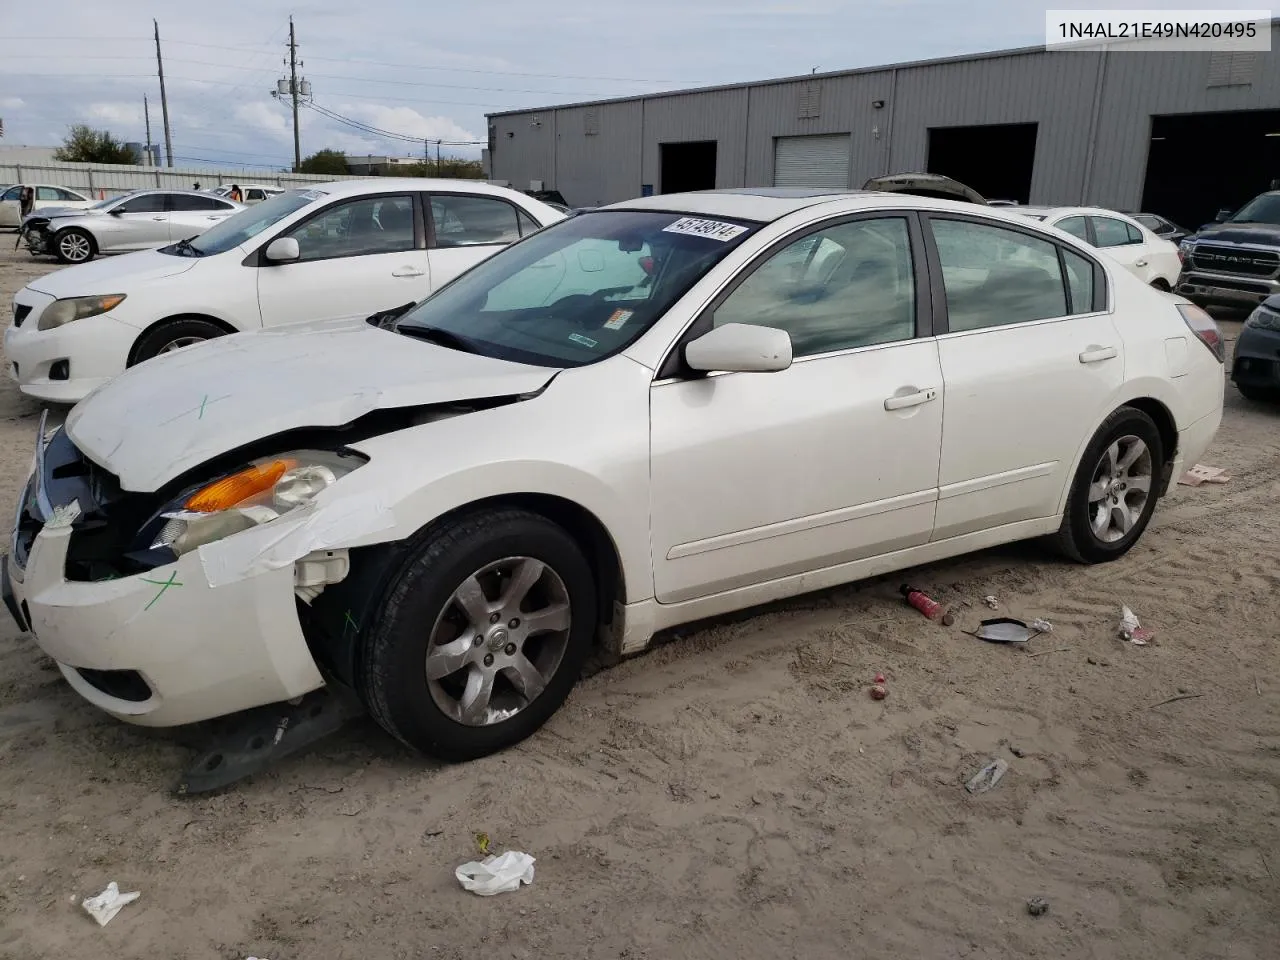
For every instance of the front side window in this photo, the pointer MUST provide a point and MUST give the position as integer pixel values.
(994, 277)
(357, 228)
(247, 224)
(147, 203)
(851, 285)
(468, 221)
(13, 193)
(255, 195)
(1076, 227)
(577, 291)
(1113, 233)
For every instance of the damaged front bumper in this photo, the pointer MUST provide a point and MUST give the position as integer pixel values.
(37, 238)
(214, 632)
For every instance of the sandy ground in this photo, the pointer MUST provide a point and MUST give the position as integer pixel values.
(734, 793)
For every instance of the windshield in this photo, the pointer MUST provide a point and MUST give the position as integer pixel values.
(247, 224)
(577, 291)
(1263, 209)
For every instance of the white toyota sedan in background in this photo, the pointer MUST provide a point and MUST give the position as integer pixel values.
(1150, 258)
(337, 251)
(641, 416)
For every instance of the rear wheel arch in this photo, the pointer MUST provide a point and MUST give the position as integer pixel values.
(1166, 425)
(143, 336)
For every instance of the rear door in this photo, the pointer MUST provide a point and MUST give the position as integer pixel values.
(191, 215)
(463, 229)
(358, 256)
(1124, 242)
(1030, 358)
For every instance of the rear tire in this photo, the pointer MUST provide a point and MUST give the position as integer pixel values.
(174, 335)
(1114, 491)
(74, 245)
(482, 635)
(1258, 394)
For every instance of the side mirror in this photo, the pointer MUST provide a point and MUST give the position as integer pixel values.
(282, 250)
(117, 211)
(1223, 215)
(740, 348)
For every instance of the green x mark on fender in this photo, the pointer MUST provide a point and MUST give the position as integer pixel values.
(163, 585)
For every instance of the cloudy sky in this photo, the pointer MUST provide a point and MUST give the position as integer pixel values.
(431, 71)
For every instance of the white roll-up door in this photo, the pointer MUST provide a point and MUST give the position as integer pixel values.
(820, 162)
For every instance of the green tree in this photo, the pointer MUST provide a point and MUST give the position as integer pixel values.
(83, 144)
(329, 162)
(449, 167)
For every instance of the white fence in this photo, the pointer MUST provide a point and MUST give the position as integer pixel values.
(109, 179)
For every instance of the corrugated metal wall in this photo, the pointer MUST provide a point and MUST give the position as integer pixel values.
(109, 179)
(1081, 101)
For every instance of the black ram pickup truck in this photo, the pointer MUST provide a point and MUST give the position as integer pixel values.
(1236, 260)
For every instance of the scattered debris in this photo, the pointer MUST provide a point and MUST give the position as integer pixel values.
(108, 903)
(501, 874)
(922, 602)
(879, 678)
(991, 602)
(1037, 906)
(1005, 630)
(1132, 630)
(987, 777)
(1181, 696)
(1041, 625)
(879, 691)
(949, 618)
(482, 844)
(1017, 751)
(1041, 653)
(1201, 474)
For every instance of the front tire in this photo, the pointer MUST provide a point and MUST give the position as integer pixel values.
(1258, 394)
(1115, 489)
(483, 634)
(174, 335)
(74, 245)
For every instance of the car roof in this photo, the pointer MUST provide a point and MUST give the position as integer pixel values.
(764, 204)
(347, 188)
(1072, 211)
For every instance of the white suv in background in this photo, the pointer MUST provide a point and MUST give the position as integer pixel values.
(1151, 259)
(335, 252)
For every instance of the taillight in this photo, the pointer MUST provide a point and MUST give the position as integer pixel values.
(1202, 326)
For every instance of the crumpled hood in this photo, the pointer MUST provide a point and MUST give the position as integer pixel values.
(120, 274)
(1257, 233)
(50, 213)
(165, 416)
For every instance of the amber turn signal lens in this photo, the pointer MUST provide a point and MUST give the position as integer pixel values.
(238, 487)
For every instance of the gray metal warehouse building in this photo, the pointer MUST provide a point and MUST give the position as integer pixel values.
(1181, 134)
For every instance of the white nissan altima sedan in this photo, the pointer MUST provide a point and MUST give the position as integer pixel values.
(643, 415)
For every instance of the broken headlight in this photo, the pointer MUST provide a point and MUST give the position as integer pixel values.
(259, 493)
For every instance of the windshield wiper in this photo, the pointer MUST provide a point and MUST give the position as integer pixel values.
(443, 338)
(386, 319)
(185, 248)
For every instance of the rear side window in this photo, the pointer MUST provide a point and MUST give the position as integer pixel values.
(527, 224)
(182, 201)
(1076, 227)
(468, 221)
(1113, 233)
(68, 197)
(994, 277)
(1080, 280)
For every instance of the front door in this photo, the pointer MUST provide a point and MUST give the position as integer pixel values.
(142, 222)
(357, 258)
(467, 228)
(758, 476)
(1125, 243)
(1030, 361)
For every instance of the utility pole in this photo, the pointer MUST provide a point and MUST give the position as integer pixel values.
(293, 88)
(164, 101)
(437, 158)
(146, 113)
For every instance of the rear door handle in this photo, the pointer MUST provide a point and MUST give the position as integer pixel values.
(159, 218)
(1140, 263)
(1095, 354)
(911, 399)
(407, 272)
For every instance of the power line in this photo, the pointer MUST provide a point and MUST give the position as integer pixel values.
(387, 134)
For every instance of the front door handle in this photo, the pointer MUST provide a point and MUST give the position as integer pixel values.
(1140, 263)
(157, 219)
(910, 399)
(1094, 354)
(407, 272)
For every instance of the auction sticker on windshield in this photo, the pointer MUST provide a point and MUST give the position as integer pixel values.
(711, 229)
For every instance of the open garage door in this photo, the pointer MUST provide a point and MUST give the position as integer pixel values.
(996, 159)
(1202, 162)
(819, 162)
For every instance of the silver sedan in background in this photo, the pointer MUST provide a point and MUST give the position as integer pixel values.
(142, 220)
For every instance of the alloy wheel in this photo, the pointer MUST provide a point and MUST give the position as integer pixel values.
(498, 641)
(75, 247)
(1120, 488)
